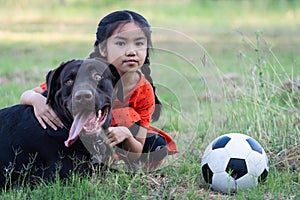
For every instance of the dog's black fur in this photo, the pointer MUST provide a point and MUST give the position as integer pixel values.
(27, 150)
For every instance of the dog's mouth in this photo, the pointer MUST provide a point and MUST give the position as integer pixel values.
(87, 123)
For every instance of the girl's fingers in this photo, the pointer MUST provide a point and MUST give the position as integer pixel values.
(109, 133)
(41, 122)
(50, 123)
(53, 117)
(46, 116)
(111, 140)
(109, 130)
(45, 120)
(115, 136)
(112, 144)
(52, 120)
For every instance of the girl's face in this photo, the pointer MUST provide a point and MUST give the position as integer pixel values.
(126, 49)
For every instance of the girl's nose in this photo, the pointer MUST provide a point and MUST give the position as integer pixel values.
(131, 52)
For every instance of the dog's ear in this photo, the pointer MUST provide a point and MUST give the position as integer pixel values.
(117, 83)
(53, 82)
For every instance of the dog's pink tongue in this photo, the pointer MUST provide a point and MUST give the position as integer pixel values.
(78, 123)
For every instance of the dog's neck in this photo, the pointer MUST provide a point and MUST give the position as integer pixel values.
(65, 117)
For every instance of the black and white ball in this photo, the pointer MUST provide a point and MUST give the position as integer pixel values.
(234, 161)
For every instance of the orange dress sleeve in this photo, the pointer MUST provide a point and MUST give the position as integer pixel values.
(43, 86)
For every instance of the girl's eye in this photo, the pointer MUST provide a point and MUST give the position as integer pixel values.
(69, 82)
(97, 77)
(120, 43)
(140, 43)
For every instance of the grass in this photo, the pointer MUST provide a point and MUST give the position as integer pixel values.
(237, 66)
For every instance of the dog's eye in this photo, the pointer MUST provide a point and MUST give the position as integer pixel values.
(97, 77)
(69, 82)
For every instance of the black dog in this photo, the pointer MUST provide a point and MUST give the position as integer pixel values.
(84, 106)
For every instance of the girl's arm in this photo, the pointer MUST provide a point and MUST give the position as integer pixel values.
(43, 112)
(133, 145)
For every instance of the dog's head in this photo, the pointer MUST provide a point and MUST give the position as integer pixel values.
(81, 93)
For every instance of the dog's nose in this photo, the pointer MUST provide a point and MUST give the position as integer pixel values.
(83, 96)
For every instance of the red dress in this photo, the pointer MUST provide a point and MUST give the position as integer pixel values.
(139, 105)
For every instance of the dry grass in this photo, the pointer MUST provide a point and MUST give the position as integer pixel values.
(289, 159)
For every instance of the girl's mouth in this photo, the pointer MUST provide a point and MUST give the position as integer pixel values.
(131, 62)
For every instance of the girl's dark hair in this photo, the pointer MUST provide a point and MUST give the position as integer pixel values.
(105, 29)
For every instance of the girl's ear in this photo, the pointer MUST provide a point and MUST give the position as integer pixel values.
(102, 51)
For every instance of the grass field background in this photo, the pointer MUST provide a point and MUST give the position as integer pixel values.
(220, 66)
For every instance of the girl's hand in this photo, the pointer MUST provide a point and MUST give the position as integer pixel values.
(44, 113)
(117, 135)
(133, 145)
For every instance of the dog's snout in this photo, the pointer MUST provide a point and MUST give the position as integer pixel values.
(83, 96)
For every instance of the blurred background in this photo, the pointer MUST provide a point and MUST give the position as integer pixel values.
(52, 30)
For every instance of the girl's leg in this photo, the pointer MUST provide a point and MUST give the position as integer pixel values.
(155, 148)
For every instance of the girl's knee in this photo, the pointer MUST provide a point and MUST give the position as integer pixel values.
(155, 149)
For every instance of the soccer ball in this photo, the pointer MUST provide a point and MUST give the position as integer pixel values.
(234, 161)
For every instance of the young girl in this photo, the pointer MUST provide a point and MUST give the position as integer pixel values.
(123, 38)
